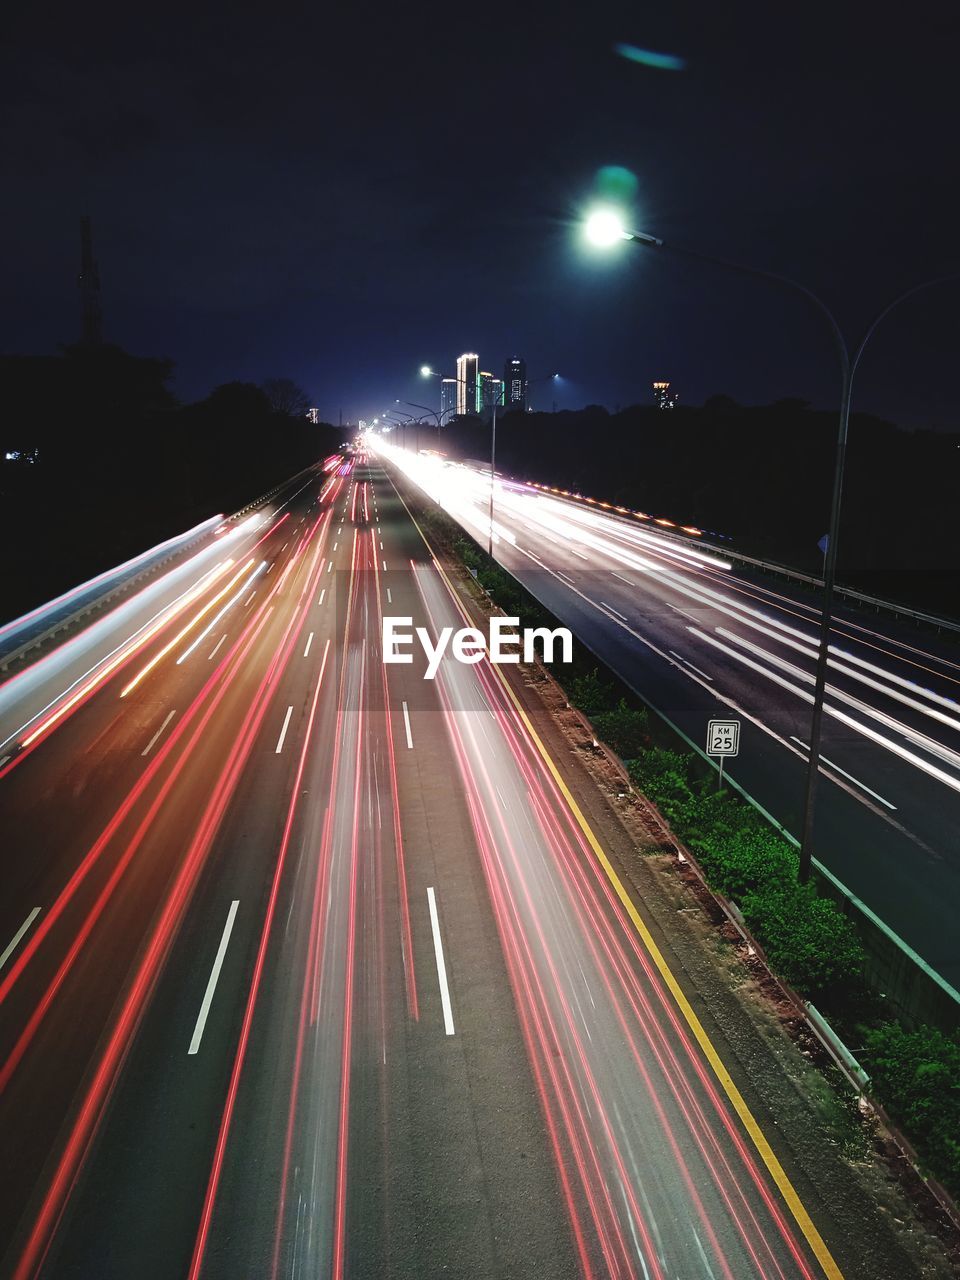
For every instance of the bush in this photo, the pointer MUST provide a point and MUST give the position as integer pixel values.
(807, 938)
(651, 770)
(714, 816)
(809, 941)
(748, 859)
(664, 777)
(590, 694)
(917, 1076)
(469, 553)
(624, 728)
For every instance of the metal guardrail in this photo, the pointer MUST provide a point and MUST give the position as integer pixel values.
(768, 566)
(898, 610)
(70, 621)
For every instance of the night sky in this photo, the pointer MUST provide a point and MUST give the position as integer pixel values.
(340, 193)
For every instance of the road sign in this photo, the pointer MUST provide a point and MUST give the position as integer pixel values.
(723, 738)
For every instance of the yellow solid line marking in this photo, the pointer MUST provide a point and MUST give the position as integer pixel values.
(774, 1167)
(776, 1170)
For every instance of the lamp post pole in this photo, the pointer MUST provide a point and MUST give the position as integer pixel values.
(493, 472)
(849, 362)
(849, 359)
(406, 417)
(550, 377)
(427, 411)
(427, 372)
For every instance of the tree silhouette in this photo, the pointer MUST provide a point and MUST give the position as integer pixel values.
(286, 397)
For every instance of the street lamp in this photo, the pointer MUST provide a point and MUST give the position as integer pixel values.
(426, 409)
(437, 417)
(605, 228)
(401, 421)
(426, 371)
(550, 377)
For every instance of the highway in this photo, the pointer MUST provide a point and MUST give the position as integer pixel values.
(698, 639)
(313, 967)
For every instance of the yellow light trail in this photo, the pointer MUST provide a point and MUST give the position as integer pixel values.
(172, 644)
(183, 603)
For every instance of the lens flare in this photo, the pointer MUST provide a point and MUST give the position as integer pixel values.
(647, 57)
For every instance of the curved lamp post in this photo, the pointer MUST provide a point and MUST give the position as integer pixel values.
(427, 412)
(402, 420)
(604, 228)
(549, 377)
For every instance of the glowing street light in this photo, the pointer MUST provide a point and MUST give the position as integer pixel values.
(604, 227)
(428, 371)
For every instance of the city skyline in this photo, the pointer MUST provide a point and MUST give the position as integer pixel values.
(241, 280)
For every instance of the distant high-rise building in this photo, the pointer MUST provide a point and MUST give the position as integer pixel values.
(515, 383)
(491, 390)
(448, 398)
(662, 397)
(468, 383)
(313, 415)
(89, 282)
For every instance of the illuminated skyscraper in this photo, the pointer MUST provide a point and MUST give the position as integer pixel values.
(662, 397)
(448, 398)
(515, 383)
(468, 383)
(491, 390)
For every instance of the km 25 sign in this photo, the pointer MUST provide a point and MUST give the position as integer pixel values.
(723, 737)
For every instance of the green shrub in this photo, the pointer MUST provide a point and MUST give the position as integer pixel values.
(713, 816)
(590, 693)
(624, 728)
(808, 940)
(651, 769)
(917, 1077)
(664, 777)
(747, 859)
(469, 553)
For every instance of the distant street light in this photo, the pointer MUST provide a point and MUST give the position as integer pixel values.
(428, 412)
(550, 377)
(403, 419)
(603, 228)
(425, 407)
(427, 372)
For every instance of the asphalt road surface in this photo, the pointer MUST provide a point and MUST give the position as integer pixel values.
(699, 640)
(310, 967)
